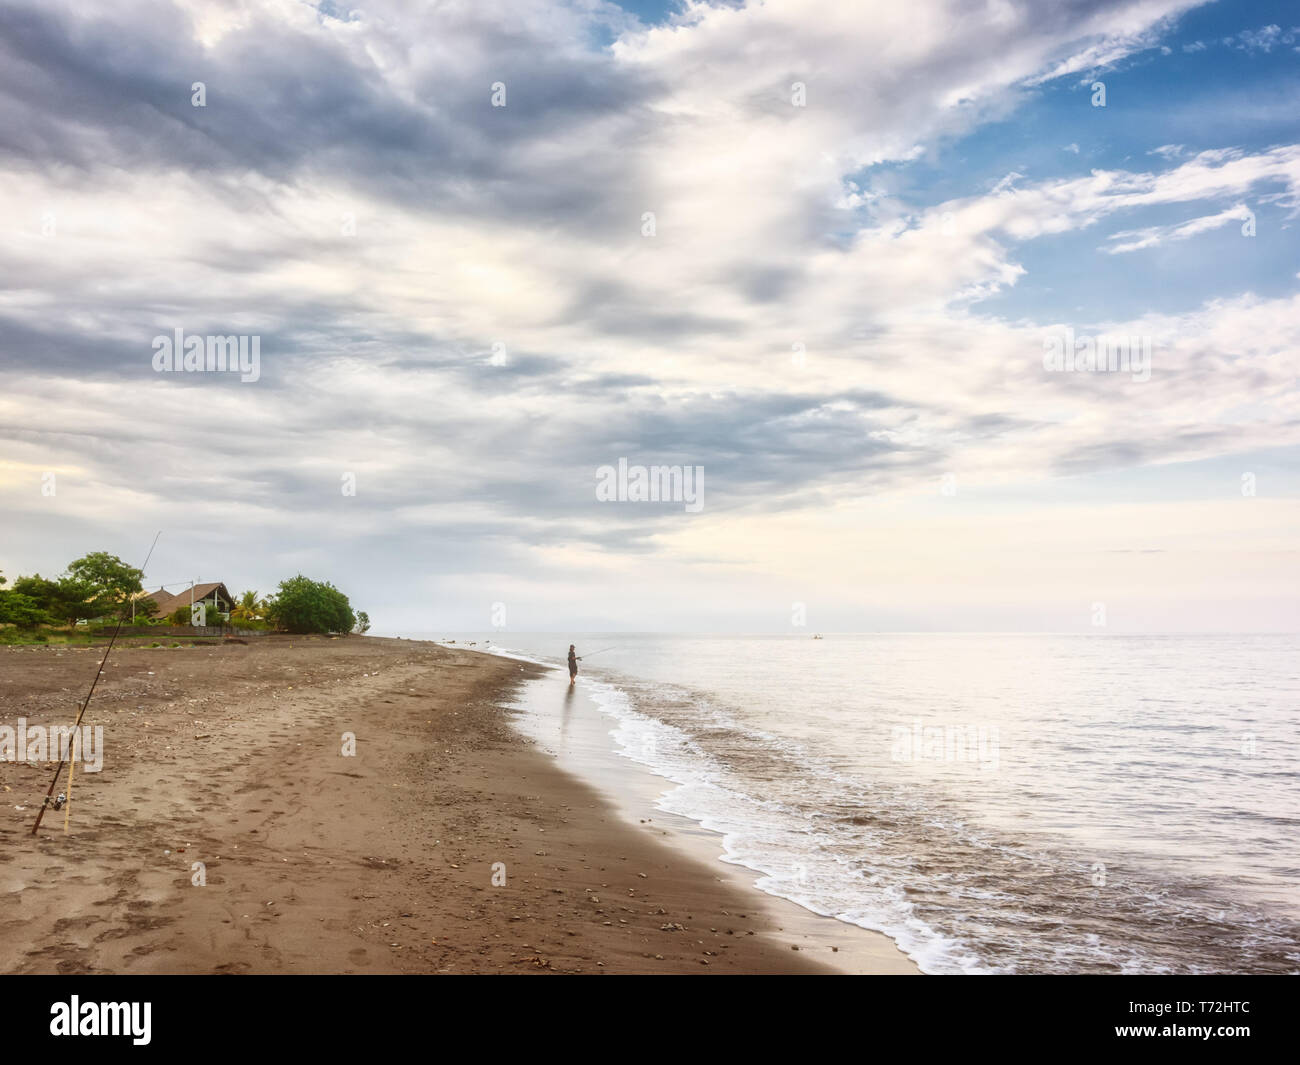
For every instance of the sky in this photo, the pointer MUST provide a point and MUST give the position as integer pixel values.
(815, 253)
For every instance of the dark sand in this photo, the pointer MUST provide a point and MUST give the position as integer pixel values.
(319, 863)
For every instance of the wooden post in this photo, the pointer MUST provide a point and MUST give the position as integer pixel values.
(72, 765)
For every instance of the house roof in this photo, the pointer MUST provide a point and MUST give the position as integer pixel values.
(168, 603)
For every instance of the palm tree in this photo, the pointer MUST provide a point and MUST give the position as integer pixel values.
(248, 608)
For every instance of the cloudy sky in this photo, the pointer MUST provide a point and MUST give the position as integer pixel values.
(817, 248)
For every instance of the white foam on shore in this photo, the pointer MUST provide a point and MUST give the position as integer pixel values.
(794, 875)
(764, 836)
(503, 652)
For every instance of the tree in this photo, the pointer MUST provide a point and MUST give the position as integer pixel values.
(94, 586)
(247, 609)
(111, 582)
(21, 611)
(363, 623)
(67, 600)
(302, 605)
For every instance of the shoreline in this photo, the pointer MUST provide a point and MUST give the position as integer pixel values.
(447, 843)
(572, 729)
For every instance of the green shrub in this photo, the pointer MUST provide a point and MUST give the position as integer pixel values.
(303, 605)
(22, 611)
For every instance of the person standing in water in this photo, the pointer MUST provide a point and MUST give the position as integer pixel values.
(573, 665)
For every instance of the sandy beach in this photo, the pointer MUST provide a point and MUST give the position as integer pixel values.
(316, 862)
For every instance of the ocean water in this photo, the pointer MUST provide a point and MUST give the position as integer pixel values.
(993, 803)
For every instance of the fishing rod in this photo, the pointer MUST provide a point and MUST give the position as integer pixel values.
(600, 652)
(63, 756)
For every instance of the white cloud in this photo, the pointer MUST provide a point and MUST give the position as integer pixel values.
(1152, 236)
(524, 227)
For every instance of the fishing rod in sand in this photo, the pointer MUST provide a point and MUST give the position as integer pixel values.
(81, 712)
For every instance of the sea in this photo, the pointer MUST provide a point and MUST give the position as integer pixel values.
(993, 803)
